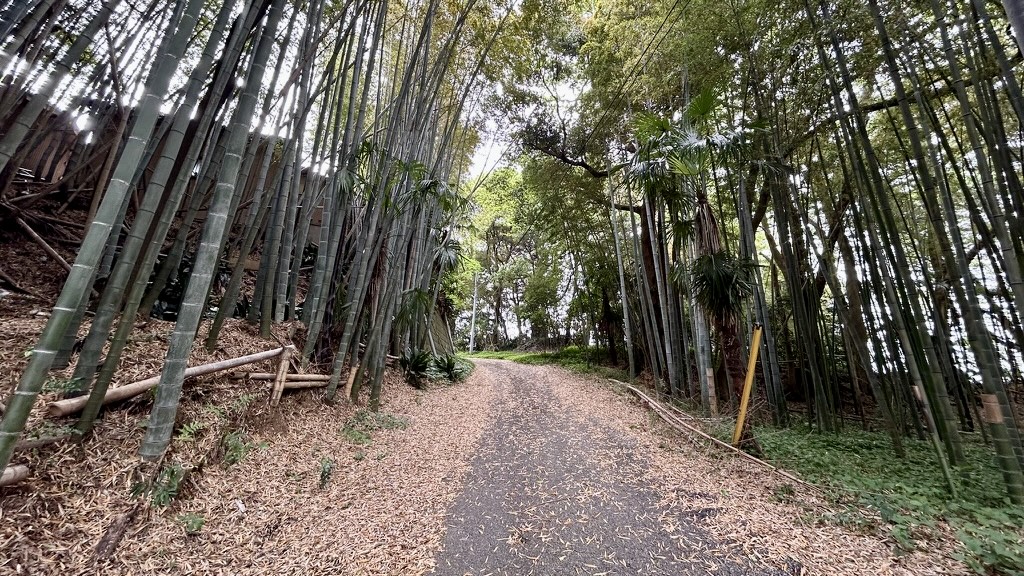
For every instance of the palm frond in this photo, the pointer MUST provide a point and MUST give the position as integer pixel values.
(721, 282)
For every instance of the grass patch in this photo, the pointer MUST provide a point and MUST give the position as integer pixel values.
(589, 361)
(910, 494)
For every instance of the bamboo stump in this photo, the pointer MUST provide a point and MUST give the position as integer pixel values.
(13, 475)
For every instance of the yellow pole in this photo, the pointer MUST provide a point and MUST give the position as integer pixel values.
(747, 385)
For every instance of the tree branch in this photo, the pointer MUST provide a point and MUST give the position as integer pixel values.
(564, 158)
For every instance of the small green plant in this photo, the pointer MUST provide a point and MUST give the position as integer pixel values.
(452, 368)
(326, 468)
(192, 522)
(48, 429)
(190, 431)
(165, 488)
(359, 456)
(370, 420)
(357, 429)
(783, 492)
(216, 411)
(355, 435)
(241, 404)
(60, 385)
(236, 447)
(416, 365)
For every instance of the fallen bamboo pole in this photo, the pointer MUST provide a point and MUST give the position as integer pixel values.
(299, 385)
(289, 378)
(679, 425)
(42, 244)
(72, 405)
(13, 475)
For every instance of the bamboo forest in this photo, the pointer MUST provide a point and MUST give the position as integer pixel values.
(511, 287)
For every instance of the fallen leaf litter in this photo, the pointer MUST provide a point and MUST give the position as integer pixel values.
(565, 472)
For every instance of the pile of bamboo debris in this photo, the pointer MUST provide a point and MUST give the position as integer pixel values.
(281, 380)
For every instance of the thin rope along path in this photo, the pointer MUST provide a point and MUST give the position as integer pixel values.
(553, 491)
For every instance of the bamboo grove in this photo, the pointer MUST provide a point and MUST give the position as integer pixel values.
(210, 133)
(846, 174)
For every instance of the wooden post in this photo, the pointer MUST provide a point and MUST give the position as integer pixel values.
(755, 346)
(282, 374)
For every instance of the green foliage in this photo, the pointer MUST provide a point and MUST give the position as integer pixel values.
(721, 282)
(326, 468)
(165, 488)
(420, 366)
(234, 410)
(190, 431)
(239, 405)
(192, 522)
(236, 447)
(60, 385)
(991, 537)
(355, 435)
(452, 368)
(416, 366)
(575, 358)
(910, 495)
(370, 420)
(357, 429)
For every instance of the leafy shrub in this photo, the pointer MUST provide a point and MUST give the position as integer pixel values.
(416, 365)
(452, 368)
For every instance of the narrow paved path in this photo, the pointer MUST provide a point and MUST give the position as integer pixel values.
(553, 491)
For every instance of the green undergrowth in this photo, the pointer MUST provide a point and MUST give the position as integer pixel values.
(589, 361)
(420, 367)
(360, 427)
(909, 494)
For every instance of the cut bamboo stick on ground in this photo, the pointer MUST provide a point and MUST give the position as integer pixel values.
(289, 378)
(13, 475)
(299, 385)
(73, 405)
(677, 423)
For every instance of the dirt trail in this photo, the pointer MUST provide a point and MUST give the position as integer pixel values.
(553, 490)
